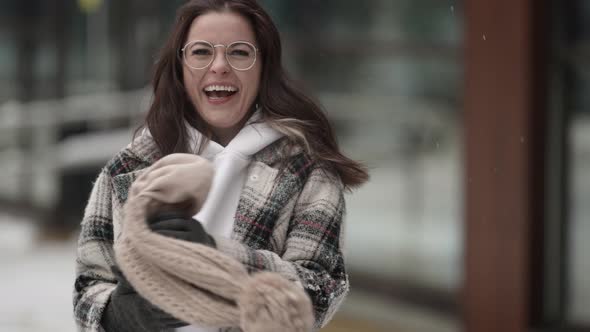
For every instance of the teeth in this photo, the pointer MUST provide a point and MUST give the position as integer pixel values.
(229, 88)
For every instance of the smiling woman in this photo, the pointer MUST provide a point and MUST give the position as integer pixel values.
(234, 167)
(223, 97)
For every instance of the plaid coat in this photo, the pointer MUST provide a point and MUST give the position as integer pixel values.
(289, 220)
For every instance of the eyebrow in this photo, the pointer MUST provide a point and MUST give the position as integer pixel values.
(218, 43)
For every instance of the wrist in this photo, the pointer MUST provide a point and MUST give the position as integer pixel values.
(212, 242)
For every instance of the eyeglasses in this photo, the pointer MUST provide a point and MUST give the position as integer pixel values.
(199, 54)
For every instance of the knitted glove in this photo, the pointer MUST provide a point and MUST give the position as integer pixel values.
(177, 182)
(128, 311)
(177, 225)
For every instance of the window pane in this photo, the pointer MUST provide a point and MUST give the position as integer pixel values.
(389, 74)
(579, 138)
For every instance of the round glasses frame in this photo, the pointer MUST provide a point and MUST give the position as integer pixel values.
(183, 52)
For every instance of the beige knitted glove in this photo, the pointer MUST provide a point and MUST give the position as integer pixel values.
(177, 182)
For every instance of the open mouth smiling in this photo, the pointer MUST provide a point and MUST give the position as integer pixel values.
(219, 92)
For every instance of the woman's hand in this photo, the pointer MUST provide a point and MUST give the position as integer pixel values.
(130, 312)
(179, 226)
(179, 180)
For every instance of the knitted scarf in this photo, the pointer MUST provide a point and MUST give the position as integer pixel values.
(196, 283)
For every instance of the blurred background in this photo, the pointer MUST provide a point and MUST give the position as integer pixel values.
(399, 80)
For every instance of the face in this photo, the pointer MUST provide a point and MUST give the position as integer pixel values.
(224, 111)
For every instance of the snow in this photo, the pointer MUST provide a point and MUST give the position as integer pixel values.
(73, 151)
(385, 238)
(36, 280)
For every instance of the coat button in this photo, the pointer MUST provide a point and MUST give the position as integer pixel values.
(254, 177)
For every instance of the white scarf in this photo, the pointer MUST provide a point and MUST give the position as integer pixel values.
(230, 164)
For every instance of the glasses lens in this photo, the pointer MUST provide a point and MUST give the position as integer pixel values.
(241, 56)
(199, 55)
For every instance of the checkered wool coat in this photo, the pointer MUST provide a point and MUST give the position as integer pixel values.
(289, 220)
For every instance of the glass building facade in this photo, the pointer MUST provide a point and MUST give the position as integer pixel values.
(574, 65)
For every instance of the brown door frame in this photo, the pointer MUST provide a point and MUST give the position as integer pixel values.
(505, 116)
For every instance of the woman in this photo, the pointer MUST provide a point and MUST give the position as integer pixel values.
(276, 201)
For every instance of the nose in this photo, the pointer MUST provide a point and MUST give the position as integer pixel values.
(219, 65)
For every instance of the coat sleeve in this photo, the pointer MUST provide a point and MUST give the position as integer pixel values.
(94, 280)
(313, 251)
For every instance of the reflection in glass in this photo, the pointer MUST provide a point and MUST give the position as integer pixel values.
(578, 308)
(389, 74)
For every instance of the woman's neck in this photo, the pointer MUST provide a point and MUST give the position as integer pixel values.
(224, 136)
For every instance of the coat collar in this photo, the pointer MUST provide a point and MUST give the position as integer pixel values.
(143, 152)
(144, 149)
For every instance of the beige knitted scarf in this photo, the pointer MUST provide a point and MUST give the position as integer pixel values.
(193, 282)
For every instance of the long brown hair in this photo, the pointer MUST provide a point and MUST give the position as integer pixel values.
(283, 106)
